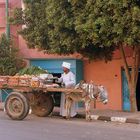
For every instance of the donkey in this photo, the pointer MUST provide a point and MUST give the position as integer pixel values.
(90, 92)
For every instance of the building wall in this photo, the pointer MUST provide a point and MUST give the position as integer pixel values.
(2, 17)
(34, 53)
(107, 74)
(13, 29)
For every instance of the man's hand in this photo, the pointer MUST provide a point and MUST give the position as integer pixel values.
(56, 80)
(63, 84)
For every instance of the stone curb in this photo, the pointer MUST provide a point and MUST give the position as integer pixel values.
(115, 119)
(106, 118)
(1, 108)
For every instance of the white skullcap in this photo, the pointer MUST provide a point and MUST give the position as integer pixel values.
(66, 65)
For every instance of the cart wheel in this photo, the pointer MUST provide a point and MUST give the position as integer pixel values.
(43, 104)
(16, 106)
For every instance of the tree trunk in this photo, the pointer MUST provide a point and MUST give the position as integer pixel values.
(132, 97)
(131, 76)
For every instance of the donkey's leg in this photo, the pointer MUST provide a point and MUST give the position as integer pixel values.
(89, 112)
(68, 107)
(87, 108)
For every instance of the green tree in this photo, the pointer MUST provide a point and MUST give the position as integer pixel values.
(50, 26)
(114, 23)
(10, 64)
(93, 28)
(34, 17)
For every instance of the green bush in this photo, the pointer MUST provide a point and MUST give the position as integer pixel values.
(10, 63)
(32, 70)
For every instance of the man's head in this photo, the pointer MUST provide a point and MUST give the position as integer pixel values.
(66, 67)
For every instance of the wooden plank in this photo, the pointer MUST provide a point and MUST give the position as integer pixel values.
(64, 90)
(49, 89)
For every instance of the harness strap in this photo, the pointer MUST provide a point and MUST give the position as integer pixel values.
(90, 91)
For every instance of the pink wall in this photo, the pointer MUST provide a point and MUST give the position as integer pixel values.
(15, 3)
(13, 29)
(2, 30)
(2, 1)
(2, 15)
(34, 53)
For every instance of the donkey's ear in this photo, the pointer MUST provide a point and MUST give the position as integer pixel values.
(91, 81)
(101, 86)
(77, 86)
(82, 81)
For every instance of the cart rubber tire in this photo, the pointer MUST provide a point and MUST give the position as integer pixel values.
(43, 105)
(16, 106)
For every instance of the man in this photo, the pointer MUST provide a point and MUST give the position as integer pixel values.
(68, 80)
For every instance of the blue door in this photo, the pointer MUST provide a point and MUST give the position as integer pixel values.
(125, 91)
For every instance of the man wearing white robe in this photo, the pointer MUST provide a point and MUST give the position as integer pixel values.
(69, 81)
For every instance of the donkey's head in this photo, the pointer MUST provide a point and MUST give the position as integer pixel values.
(103, 94)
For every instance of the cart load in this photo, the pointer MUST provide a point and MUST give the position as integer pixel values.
(30, 91)
(41, 81)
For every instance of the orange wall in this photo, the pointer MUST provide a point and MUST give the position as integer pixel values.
(109, 75)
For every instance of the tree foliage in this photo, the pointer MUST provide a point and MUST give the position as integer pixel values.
(55, 27)
(111, 22)
(9, 61)
(68, 26)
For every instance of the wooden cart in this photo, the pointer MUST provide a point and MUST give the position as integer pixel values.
(23, 97)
